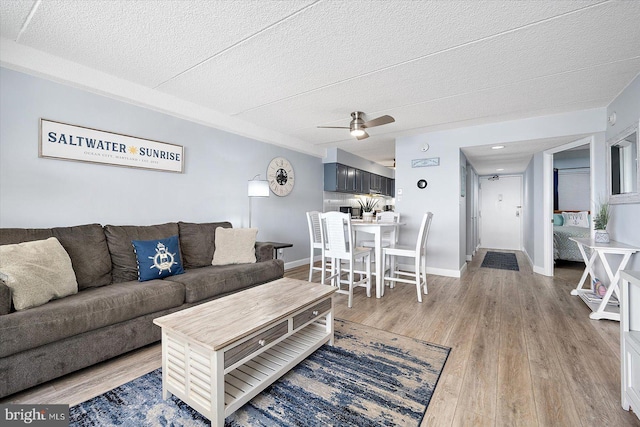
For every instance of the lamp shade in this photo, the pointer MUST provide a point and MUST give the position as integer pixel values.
(258, 188)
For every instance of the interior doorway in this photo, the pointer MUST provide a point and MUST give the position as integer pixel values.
(501, 212)
(548, 197)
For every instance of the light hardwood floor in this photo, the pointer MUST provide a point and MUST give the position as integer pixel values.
(524, 352)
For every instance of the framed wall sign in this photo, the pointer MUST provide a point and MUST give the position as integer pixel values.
(70, 142)
(422, 163)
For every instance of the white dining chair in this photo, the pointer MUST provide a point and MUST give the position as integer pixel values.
(338, 242)
(419, 255)
(315, 242)
(386, 216)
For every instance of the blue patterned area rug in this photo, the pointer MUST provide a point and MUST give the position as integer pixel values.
(501, 260)
(369, 377)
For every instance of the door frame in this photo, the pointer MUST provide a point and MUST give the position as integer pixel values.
(521, 237)
(547, 214)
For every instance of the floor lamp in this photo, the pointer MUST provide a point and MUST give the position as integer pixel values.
(257, 188)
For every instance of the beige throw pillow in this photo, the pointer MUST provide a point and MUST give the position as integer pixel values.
(235, 246)
(37, 272)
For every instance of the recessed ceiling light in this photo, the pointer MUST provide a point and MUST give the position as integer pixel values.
(497, 147)
(500, 169)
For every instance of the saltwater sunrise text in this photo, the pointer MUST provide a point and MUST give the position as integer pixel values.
(98, 144)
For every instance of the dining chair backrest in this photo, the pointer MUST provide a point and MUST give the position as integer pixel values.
(335, 228)
(388, 216)
(313, 220)
(421, 243)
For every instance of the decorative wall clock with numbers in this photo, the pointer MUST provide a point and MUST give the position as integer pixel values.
(280, 176)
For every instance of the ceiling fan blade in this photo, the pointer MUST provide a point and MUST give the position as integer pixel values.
(334, 127)
(363, 136)
(382, 120)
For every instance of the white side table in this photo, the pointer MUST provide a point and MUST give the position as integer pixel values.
(599, 250)
(630, 340)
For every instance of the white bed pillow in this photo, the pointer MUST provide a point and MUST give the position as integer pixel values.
(576, 219)
(37, 272)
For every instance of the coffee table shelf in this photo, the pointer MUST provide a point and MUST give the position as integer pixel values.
(247, 380)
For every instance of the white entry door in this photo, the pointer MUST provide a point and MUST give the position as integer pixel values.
(501, 213)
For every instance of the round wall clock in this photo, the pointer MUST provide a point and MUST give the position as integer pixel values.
(280, 176)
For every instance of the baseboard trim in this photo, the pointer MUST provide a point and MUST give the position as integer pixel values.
(293, 264)
(539, 270)
(408, 267)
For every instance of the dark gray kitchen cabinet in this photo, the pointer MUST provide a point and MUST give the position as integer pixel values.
(346, 179)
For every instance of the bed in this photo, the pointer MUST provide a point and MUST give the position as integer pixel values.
(563, 248)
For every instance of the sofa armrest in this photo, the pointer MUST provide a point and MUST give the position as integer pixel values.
(264, 251)
(5, 298)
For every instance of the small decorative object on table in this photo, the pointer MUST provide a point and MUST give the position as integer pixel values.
(603, 214)
(367, 208)
(599, 288)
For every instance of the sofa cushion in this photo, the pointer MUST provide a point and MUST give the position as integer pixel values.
(264, 251)
(37, 272)
(85, 244)
(11, 236)
(85, 311)
(157, 258)
(5, 298)
(119, 237)
(197, 242)
(207, 282)
(89, 253)
(235, 246)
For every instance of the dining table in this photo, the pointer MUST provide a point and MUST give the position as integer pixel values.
(377, 229)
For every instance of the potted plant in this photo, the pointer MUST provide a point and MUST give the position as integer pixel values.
(367, 208)
(603, 215)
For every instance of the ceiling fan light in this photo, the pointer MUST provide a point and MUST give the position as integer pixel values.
(357, 132)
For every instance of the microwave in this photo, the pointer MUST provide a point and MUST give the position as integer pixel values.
(354, 212)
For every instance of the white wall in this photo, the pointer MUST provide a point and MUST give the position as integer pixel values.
(39, 192)
(528, 210)
(625, 220)
(442, 194)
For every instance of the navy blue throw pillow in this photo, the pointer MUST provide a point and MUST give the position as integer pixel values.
(157, 258)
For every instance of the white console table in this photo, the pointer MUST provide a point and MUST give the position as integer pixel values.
(602, 310)
(630, 340)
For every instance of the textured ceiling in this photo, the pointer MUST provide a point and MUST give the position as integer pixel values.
(282, 68)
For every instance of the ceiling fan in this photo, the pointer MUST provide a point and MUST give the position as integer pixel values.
(358, 125)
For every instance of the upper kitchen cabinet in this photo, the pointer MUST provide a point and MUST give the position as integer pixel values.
(347, 179)
(363, 182)
(339, 177)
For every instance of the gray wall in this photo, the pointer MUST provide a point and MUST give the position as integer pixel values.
(39, 192)
(625, 220)
(572, 159)
(442, 196)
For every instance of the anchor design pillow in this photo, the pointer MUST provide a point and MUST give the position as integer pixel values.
(157, 258)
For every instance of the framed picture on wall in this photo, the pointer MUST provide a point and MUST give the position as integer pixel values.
(69, 142)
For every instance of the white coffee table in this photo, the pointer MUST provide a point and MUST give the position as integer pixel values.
(218, 355)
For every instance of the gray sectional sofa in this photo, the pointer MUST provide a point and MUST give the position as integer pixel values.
(112, 312)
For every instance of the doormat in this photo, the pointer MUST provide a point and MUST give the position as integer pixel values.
(369, 377)
(500, 260)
